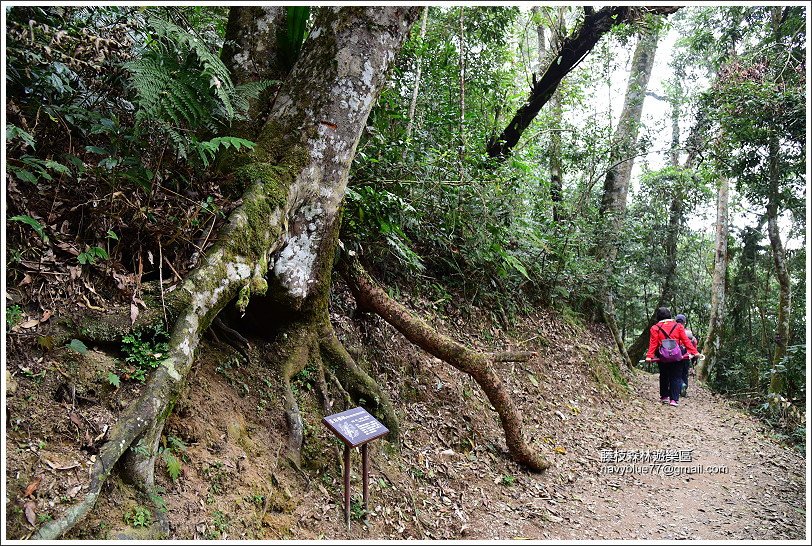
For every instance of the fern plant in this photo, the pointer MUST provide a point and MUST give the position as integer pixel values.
(183, 90)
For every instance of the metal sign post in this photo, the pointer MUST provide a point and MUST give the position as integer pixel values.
(355, 427)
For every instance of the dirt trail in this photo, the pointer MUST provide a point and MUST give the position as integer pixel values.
(760, 496)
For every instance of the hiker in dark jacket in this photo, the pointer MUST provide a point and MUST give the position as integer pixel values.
(670, 372)
(686, 363)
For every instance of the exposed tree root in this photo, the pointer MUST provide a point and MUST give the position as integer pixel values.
(232, 338)
(359, 385)
(301, 340)
(371, 297)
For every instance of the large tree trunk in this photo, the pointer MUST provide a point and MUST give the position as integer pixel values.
(287, 222)
(571, 52)
(616, 183)
(713, 339)
(782, 331)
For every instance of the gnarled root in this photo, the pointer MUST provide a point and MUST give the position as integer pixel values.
(357, 382)
(371, 297)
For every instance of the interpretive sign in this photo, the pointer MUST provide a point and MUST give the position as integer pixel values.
(355, 427)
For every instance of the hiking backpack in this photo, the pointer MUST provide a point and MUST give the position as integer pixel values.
(670, 350)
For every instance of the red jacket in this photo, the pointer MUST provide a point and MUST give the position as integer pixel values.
(656, 336)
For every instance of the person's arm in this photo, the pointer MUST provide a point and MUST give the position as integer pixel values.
(686, 341)
(652, 343)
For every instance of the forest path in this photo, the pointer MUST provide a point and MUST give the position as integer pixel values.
(760, 496)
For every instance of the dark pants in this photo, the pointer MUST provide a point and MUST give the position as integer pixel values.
(670, 379)
(686, 367)
(675, 379)
(665, 380)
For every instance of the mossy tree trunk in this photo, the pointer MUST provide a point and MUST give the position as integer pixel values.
(295, 179)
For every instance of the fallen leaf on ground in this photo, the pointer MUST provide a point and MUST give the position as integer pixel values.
(29, 323)
(30, 512)
(75, 420)
(55, 466)
(33, 486)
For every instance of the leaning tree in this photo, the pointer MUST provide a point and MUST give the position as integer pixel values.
(277, 249)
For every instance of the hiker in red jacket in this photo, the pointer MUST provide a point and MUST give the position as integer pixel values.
(669, 362)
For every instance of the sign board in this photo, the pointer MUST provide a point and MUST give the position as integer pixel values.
(355, 426)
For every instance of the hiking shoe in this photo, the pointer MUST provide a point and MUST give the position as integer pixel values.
(664, 399)
(674, 403)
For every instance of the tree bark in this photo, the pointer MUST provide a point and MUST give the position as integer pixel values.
(782, 330)
(371, 297)
(296, 180)
(252, 53)
(572, 51)
(713, 339)
(616, 183)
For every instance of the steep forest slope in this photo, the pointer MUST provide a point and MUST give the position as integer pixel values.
(449, 477)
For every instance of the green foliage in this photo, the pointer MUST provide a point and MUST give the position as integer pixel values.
(173, 466)
(113, 379)
(14, 314)
(219, 524)
(91, 254)
(155, 495)
(173, 450)
(77, 346)
(42, 169)
(145, 349)
(140, 516)
(35, 225)
(297, 17)
(182, 87)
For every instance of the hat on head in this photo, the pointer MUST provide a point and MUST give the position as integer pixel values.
(680, 318)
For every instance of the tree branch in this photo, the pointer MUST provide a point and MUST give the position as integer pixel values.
(572, 50)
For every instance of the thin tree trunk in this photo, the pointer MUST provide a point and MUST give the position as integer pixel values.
(713, 339)
(616, 183)
(462, 96)
(782, 331)
(554, 149)
(638, 349)
(418, 75)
